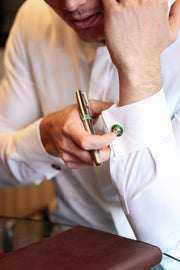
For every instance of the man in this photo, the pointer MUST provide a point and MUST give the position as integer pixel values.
(124, 55)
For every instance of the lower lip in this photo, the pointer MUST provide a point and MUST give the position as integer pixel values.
(86, 23)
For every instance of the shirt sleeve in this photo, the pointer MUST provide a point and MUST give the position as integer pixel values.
(145, 169)
(23, 158)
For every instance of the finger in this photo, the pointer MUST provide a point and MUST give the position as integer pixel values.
(75, 132)
(74, 163)
(77, 165)
(90, 142)
(85, 161)
(174, 20)
(97, 106)
(71, 152)
(105, 154)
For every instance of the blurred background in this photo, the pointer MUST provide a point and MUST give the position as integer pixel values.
(8, 9)
(29, 201)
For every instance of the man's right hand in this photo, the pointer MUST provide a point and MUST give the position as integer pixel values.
(63, 135)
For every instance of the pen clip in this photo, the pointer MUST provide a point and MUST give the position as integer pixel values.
(86, 103)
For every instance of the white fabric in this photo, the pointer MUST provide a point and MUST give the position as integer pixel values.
(45, 63)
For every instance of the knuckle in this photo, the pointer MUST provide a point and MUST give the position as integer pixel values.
(69, 165)
(84, 144)
(64, 129)
(67, 160)
(64, 157)
(62, 145)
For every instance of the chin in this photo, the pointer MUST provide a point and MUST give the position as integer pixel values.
(93, 39)
(89, 35)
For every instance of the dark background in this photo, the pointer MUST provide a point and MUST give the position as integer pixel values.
(8, 9)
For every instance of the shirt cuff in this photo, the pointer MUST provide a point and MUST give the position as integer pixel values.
(31, 150)
(144, 123)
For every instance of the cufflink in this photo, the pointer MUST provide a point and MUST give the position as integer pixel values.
(56, 167)
(117, 129)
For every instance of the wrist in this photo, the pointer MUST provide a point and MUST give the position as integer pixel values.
(46, 138)
(139, 83)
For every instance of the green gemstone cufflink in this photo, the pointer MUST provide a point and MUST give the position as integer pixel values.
(117, 129)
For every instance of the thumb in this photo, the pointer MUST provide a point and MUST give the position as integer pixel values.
(97, 106)
(174, 20)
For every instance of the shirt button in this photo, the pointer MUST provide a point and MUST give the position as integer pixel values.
(56, 167)
(117, 129)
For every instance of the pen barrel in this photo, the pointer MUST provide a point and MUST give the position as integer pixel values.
(86, 118)
(96, 156)
(88, 126)
(95, 153)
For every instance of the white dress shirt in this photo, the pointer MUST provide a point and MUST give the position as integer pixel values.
(137, 192)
